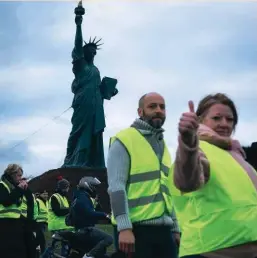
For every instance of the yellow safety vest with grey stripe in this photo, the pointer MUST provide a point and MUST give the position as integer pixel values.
(223, 212)
(57, 222)
(149, 183)
(12, 211)
(42, 211)
(24, 208)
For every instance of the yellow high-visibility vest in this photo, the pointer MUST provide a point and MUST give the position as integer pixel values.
(42, 211)
(149, 184)
(24, 208)
(13, 211)
(57, 222)
(35, 211)
(222, 213)
(94, 202)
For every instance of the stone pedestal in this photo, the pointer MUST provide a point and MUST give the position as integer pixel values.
(48, 180)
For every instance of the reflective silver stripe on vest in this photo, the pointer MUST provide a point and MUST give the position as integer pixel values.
(141, 201)
(145, 200)
(149, 175)
(42, 218)
(164, 189)
(10, 211)
(145, 176)
(165, 169)
(43, 213)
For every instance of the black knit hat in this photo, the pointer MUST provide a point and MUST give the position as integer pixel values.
(62, 183)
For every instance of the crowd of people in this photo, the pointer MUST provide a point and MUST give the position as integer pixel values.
(25, 216)
(200, 204)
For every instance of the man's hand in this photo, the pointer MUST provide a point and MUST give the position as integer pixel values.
(188, 125)
(127, 241)
(176, 237)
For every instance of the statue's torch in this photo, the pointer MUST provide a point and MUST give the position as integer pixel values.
(79, 10)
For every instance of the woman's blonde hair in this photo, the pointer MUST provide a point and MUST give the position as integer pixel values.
(13, 169)
(219, 98)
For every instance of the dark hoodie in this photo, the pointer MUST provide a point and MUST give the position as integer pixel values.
(84, 212)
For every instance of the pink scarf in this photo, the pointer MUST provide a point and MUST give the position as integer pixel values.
(205, 133)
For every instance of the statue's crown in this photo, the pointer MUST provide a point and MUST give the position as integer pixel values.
(93, 43)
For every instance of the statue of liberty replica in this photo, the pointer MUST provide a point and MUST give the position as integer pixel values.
(85, 151)
(85, 144)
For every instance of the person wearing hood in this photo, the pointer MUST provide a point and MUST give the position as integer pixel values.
(86, 217)
(12, 243)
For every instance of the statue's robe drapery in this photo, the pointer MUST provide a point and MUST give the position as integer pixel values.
(85, 143)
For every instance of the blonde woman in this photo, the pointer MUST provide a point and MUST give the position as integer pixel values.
(12, 188)
(215, 189)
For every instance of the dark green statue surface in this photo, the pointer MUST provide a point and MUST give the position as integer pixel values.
(85, 143)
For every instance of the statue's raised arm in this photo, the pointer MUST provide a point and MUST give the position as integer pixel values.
(77, 52)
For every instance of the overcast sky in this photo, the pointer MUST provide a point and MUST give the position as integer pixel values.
(181, 50)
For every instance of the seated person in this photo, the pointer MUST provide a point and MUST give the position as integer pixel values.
(85, 217)
(58, 209)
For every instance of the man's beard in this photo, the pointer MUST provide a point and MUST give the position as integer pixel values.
(155, 123)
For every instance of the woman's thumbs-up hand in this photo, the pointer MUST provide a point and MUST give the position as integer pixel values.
(188, 125)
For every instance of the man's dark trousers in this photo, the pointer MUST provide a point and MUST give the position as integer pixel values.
(154, 241)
